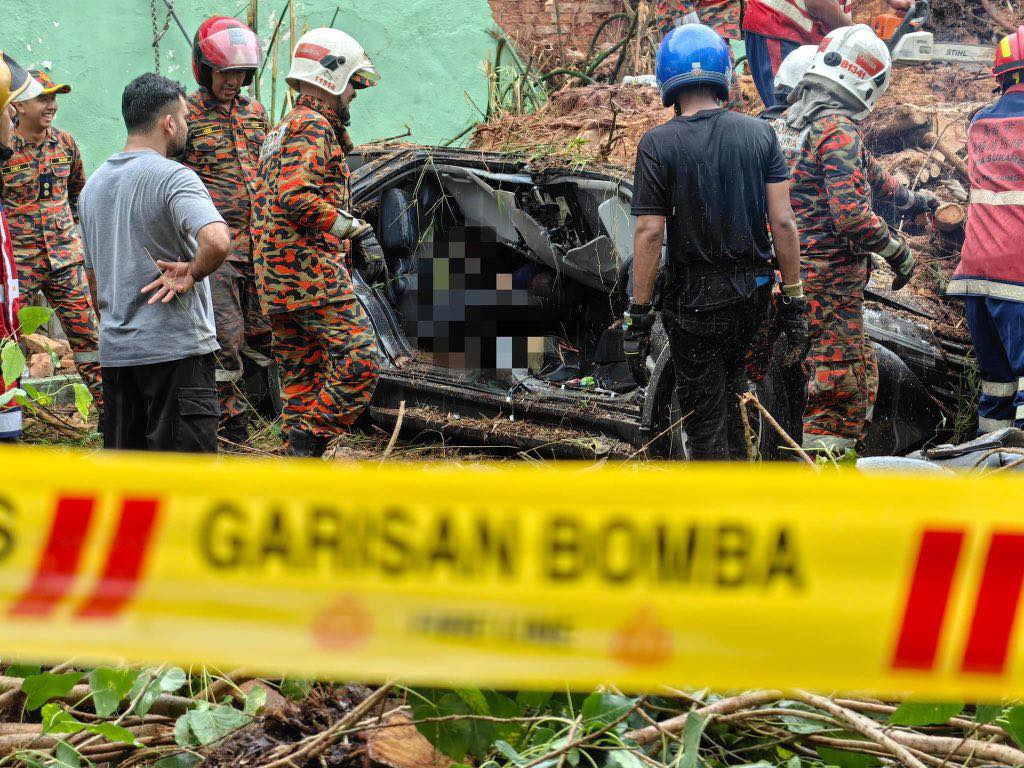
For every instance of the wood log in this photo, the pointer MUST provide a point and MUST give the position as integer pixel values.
(902, 178)
(951, 159)
(899, 122)
(950, 217)
(935, 170)
(923, 176)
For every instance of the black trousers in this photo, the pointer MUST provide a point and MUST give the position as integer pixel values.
(162, 407)
(709, 350)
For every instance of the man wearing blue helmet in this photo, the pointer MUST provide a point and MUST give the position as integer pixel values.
(716, 179)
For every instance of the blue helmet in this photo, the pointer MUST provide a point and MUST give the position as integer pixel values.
(690, 54)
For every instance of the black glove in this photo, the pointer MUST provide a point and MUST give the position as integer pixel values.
(920, 202)
(793, 314)
(903, 264)
(368, 257)
(636, 338)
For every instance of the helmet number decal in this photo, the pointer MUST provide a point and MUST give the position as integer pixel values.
(869, 63)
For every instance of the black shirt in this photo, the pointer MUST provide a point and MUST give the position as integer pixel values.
(707, 174)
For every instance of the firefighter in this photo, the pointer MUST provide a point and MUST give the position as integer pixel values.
(41, 183)
(226, 130)
(307, 242)
(990, 275)
(832, 198)
(15, 85)
(775, 28)
(716, 181)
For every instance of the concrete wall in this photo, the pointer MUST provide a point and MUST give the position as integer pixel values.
(430, 55)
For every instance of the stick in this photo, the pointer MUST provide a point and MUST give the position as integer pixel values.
(721, 707)
(751, 398)
(748, 432)
(174, 15)
(863, 725)
(394, 433)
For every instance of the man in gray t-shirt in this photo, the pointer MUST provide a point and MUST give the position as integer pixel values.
(152, 235)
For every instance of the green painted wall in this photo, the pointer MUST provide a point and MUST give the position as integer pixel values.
(430, 55)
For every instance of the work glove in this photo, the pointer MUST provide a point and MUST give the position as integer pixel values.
(637, 322)
(920, 202)
(368, 256)
(793, 315)
(902, 261)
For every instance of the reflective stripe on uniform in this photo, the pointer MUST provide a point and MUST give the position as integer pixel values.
(10, 423)
(791, 12)
(228, 376)
(86, 357)
(988, 197)
(993, 425)
(1000, 388)
(967, 286)
(260, 359)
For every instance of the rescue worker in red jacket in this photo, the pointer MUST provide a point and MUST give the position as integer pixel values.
(990, 275)
(226, 130)
(307, 240)
(41, 183)
(832, 199)
(775, 28)
(15, 85)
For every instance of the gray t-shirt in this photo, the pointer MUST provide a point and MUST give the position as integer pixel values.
(137, 208)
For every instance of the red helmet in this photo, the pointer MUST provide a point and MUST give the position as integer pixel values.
(1010, 53)
(225, 45)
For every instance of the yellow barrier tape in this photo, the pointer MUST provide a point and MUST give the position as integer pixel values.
(519, 576)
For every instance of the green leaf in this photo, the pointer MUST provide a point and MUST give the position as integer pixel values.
(1015, 724)
(112, 732)
(793, 762)
(533, 699)
(508, 751)
(925, 713)
(453, 737)
(30, 318)
(210, 724)
(692, 732)
(181, 760)
(67, 756)
(23, 670)
(502, 706)
(12, 362)
(110, 687)
(168, 681)
(599, 709)
(987, 713)
(56, 720)
(474, 699)
(183, 734)
(255, 699)
(39, 689)
(37, 396)
(83, 399)
(296, 688)
(843, 759)
(14, 393)
(797, 724)
(625, 759)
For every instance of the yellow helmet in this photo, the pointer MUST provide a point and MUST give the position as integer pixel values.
(16, 84)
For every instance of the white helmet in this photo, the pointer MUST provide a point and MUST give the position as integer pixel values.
(795, 66)
(855, 60)
(329, 59)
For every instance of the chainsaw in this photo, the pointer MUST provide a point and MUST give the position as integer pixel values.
(910, 44)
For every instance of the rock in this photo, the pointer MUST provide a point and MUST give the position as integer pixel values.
(67, 363)
(36, 342)
(40, 366)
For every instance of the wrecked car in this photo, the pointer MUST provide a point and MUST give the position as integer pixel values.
(499, 325)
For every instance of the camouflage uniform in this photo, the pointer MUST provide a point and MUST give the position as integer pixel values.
(41, 185)
(831, 192)
(323, 342)
(223, 149)
(723, 16)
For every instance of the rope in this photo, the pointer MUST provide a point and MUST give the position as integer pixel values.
(158, 34)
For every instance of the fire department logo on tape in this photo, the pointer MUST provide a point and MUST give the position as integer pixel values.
(995, 604)
(58, 568)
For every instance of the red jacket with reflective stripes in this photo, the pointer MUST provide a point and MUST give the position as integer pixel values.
(992, 260)
(785, 19)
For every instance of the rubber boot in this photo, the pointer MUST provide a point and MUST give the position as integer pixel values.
(305, 444)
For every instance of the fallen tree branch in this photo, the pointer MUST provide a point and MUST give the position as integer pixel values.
(721, 707)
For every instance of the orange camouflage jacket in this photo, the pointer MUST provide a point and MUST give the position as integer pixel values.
(223, 149)
(303, 182)
(41, 185)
